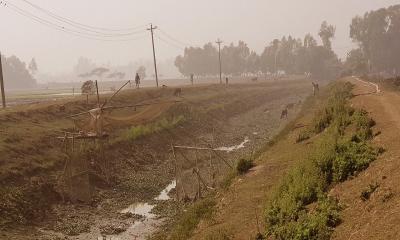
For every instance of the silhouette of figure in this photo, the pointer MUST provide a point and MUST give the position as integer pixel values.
(315, 88)
(137, 80)
(284, 114)
(226, 80)
(191, 78)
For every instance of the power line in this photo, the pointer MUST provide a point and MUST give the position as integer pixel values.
(115, 32)
(47, 22)
(169, 43)
(62, 28)
(174, 39)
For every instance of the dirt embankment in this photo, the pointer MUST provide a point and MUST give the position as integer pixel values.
(140, 168)
(369, 199)
(378, 216)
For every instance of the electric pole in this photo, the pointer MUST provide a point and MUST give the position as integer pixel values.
(220, 65)
(3, 95)
(154, 51)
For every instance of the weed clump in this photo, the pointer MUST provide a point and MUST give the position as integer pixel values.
(366, 193)
(244, 165)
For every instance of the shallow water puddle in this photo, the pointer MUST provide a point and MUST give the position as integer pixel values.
(143, 228)
(164, 193)
(236, 147)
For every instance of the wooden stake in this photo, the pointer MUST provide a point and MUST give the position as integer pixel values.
(176, 172)
(3, 94)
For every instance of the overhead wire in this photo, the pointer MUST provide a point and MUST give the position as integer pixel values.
(62, 28)
(85, 27)
(169, 43)
(173, 39)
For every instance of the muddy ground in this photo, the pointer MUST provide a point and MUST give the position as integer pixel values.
(141, 168)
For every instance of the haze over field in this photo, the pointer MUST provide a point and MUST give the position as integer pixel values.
(256, 22)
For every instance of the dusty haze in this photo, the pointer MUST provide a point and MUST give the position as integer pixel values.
(256, 22)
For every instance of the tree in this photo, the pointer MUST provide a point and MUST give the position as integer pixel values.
(84, 66)
(199, 61)
(88, 88)
(142, 72)
(327, 32)
(356, 62)
(33, 66)
(378, 36)
(16, 75)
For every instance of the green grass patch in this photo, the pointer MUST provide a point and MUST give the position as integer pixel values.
(185, 226)
(137, 132)
(300, 208)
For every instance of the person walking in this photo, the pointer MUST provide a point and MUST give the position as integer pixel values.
(226, 80)
(137, 80)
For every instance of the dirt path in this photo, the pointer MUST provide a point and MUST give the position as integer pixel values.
(378, 217)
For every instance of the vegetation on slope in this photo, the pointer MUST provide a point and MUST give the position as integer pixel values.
(301, 207)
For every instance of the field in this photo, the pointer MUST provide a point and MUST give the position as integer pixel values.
(139, 150)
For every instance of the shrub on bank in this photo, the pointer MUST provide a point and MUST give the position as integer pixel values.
(244, 165)
(301, 209)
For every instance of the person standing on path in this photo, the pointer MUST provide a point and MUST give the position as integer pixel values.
(315, 88)
(137, 80)
(191, 78)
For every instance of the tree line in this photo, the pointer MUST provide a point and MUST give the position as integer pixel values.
(288, 54)
(376, 34)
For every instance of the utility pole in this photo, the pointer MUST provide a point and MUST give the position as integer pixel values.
(3, 94)
(220, 65)
(154, 51)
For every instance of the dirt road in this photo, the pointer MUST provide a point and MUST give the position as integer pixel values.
(378, 217)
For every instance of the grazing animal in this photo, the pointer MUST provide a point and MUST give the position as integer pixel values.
(164, 86)
(254, 79)
(284, 113)
(178, 92)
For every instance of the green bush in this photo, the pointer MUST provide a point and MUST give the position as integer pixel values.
(244, 165)
(351, 157)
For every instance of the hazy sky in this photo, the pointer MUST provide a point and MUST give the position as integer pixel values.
(256, 22)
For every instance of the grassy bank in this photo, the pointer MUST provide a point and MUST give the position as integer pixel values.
(301, 207)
